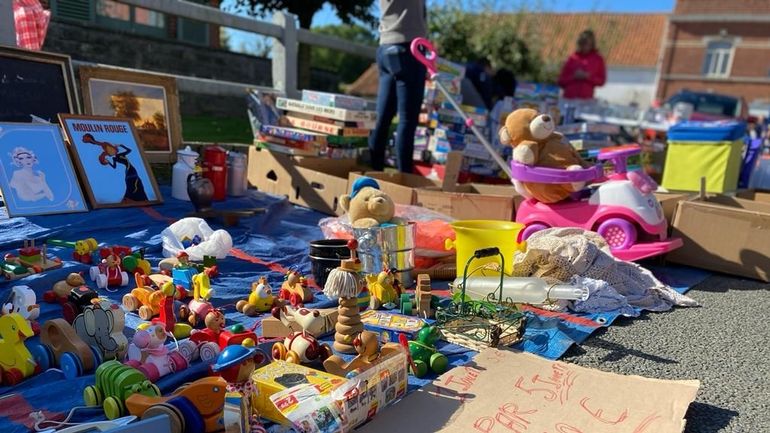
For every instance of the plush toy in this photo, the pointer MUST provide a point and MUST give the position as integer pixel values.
(536, 143)
(367, 206)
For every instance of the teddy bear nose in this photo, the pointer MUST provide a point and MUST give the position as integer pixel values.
(379, 200)
(546, 118)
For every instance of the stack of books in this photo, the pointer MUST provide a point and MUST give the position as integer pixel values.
(320, 124)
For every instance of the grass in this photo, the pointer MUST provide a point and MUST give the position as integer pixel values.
(217, 129)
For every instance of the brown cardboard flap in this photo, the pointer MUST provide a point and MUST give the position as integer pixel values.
(759, 195)
(399, 186)
(467, 202)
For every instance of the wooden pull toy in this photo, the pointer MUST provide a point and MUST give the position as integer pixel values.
(369, 352)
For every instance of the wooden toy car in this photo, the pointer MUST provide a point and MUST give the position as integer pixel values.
(60, 346)
(30, 260)
(195, 407)
(61, 289)
(149, 354)
(260, 299)
(79, 298)
(16, 363)
(84, 248)
(301, 347)
(109, 273)
(295, 289)
(114, 383)
(146, 299)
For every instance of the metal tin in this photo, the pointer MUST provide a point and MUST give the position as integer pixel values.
(390, 246)
(237, 183)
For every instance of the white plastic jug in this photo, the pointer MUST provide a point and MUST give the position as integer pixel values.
(185, 165)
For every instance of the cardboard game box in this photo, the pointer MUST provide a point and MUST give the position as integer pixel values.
(389, 325)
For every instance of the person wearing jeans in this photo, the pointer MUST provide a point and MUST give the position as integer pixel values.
(402, 81)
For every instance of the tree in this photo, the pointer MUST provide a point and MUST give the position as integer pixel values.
(125, 104)
(159, 119)
(347, 10)
(348, 66)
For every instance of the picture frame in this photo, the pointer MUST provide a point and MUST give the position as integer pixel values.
(36, 174)
(35, 86)
(109, 91)
(110, 161)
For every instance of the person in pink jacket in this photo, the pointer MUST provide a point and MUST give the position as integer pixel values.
(584, 69)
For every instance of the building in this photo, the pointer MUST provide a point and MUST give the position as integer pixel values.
(720, 46)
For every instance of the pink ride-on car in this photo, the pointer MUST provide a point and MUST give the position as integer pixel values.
(621, 206)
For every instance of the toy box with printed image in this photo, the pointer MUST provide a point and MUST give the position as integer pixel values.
(389, 325)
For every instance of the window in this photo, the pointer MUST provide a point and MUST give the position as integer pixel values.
(149, 18)
(114, 10)
(719, 59)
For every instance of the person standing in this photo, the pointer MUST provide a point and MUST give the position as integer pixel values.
(402, 81)
(584, 70)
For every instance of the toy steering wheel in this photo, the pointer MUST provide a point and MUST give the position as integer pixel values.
(618, 156)
(423, 50)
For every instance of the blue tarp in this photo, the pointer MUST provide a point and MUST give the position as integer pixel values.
(268, 243)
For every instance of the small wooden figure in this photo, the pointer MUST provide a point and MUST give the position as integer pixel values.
(382, 290)
(423, 297)
(295, 289)
(61, 289)
(369, 352)
(200, 306)
(101, 326)
(236, 364)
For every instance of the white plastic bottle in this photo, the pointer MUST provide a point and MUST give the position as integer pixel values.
(520, 290)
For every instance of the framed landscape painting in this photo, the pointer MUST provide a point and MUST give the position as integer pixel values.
(109, 158)
(35, 86)
(150, 101)
(36, 174)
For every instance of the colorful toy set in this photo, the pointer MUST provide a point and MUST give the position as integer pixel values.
(260, 299)
(30, 260)
(295, 289)
(109, 273)
(389, 325)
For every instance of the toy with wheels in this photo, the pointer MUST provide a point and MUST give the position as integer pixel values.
(216, 332)
(424, 354)
(621, 206)
(78, 299)
(114, 383)
(301, 347)
(60, 346)
(193, 408)
(83, 249)
(382, 290)
(295, 289)
(200, 306)
(146, 299)
(260, 299)
(61, 289)
(109, 273)
(148, 353)
(16, 362)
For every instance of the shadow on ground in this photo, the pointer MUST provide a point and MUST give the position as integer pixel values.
(705, 418)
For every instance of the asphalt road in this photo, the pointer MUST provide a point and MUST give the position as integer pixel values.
(725, 344)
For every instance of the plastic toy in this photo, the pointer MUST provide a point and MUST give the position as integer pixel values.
(369, 352)
(22, 300)
(101, 325)
(78, 299)
(301, 347)
(622, 208)
(84, 248)
(236, 364)
(381, 290)
(199, 306)
(31, 260)
(149, 354)
(295, 290)
(114, 383)
(61, 346)
(61, 289)
(109, 273)
(424, 353)
(260, 299)
(195, 407)
(16, 363)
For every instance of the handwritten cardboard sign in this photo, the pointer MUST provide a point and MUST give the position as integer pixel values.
(511, 392)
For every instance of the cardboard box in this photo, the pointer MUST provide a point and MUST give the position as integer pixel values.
(313, 182)
(669, 201)
(280, 375)
(399, 186)
(724, 234)
(389, 325)
(274, 328)
(759, 195)
(468, 202)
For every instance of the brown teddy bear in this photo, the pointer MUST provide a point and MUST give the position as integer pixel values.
(536, 143)
(367, 206)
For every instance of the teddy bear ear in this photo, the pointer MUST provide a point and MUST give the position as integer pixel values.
(505, 137)
(345, 202)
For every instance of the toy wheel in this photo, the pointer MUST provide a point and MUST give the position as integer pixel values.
(101, 281)
(97, 354)
(530, 230)
(326, 352)
(293, 357)
(112, 408)
(70, 365)
(12, 377)
(175, 417)
(295, 300)
(92, 396)
(284, 294)
(123, 278)
(620, 234)
(145, 312)
(42, 356)
(279, 352)
(438, 363)
(130, 302)
(208, 352)
(93, 272)
(69, 312)
(420, 369)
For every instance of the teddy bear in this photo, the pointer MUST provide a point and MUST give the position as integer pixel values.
(536, 143)
(367, 206)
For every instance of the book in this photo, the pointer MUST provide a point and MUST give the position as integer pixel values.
(334, 100)
(333, 113)
(284, 149)
(369, 124)
(325, 128)
(293, 134)
(297, 144)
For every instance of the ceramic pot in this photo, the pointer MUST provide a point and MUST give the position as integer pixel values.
(200, 190)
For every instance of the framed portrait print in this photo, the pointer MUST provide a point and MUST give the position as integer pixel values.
(36, 174)
(35, 86)
(110, 160)
(150, 101)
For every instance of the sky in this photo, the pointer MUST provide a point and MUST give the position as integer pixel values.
(326, 16)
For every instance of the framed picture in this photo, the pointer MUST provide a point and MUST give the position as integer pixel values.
(35, 86)
(150, 101)
(109, 158)
(36, 174)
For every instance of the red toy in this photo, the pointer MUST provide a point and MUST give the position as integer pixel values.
(295, 289)
(215, 169)
(215, 332)
(109, 273)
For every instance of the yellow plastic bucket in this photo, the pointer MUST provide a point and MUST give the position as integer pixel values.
(472, 235)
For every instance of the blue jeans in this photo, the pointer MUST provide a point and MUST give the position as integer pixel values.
(402, 87)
